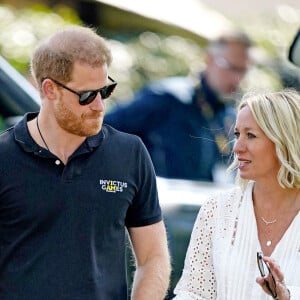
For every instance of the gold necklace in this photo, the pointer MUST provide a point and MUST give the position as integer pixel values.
(268, 222)
(267, 235)
(268, 231)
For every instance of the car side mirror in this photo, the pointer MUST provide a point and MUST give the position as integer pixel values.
(294, 51)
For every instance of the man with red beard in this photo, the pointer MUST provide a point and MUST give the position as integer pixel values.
(70, 187)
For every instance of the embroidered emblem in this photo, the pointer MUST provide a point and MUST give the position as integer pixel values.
(112, 186)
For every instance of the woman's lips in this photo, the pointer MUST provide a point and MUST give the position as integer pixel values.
(243, 163)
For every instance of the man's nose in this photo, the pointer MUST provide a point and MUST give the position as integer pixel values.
(98, 103)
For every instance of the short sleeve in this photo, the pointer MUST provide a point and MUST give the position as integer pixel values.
(145, 208)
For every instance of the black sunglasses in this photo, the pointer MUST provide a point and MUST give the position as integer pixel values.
(88, 97)
(261, 266)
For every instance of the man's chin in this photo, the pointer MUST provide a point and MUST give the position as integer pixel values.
(94, 130)
(227, 98)
(230, 97)
(89, 129)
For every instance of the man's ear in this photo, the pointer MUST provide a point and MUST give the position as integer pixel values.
(49, 89)
(294, 51)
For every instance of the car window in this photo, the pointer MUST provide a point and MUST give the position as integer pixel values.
(17, 95)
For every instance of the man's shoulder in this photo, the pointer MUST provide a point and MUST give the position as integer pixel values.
(116, 141)
(6, 137)
(112, 133)
(180, 87)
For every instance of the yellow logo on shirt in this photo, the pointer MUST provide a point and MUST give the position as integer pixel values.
(112, 186)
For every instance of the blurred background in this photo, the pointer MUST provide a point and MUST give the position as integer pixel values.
(157, 38)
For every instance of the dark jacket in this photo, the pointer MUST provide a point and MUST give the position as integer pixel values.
(183, 124)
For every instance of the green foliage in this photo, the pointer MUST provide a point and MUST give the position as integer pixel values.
(22, 29)
(272, 33)
(140, 57)
(150, 56)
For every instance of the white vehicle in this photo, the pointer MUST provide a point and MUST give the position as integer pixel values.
(294, 51)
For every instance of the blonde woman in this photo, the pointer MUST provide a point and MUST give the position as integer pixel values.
(246, 242)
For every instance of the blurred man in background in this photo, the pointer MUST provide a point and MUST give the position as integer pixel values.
(184, 121)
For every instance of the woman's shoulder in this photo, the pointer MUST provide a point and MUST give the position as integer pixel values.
(225, 199)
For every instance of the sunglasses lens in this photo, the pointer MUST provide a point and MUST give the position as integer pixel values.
(87, 98)
(107, 91)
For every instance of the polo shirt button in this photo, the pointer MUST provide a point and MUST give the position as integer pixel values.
(57, 162)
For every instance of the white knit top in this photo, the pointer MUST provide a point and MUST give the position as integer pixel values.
(221, 258)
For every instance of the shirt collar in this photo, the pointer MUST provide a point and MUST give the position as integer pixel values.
(210, 95)
(23, 137)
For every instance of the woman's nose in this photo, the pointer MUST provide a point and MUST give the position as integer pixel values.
(239, 146)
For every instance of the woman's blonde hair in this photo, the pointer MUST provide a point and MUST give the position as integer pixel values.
(278, 115)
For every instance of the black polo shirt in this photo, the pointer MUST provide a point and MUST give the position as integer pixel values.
(62, 227)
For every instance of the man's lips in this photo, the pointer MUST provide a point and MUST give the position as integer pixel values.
(93, 116)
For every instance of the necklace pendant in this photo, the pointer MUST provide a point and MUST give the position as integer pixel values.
(269, 243)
